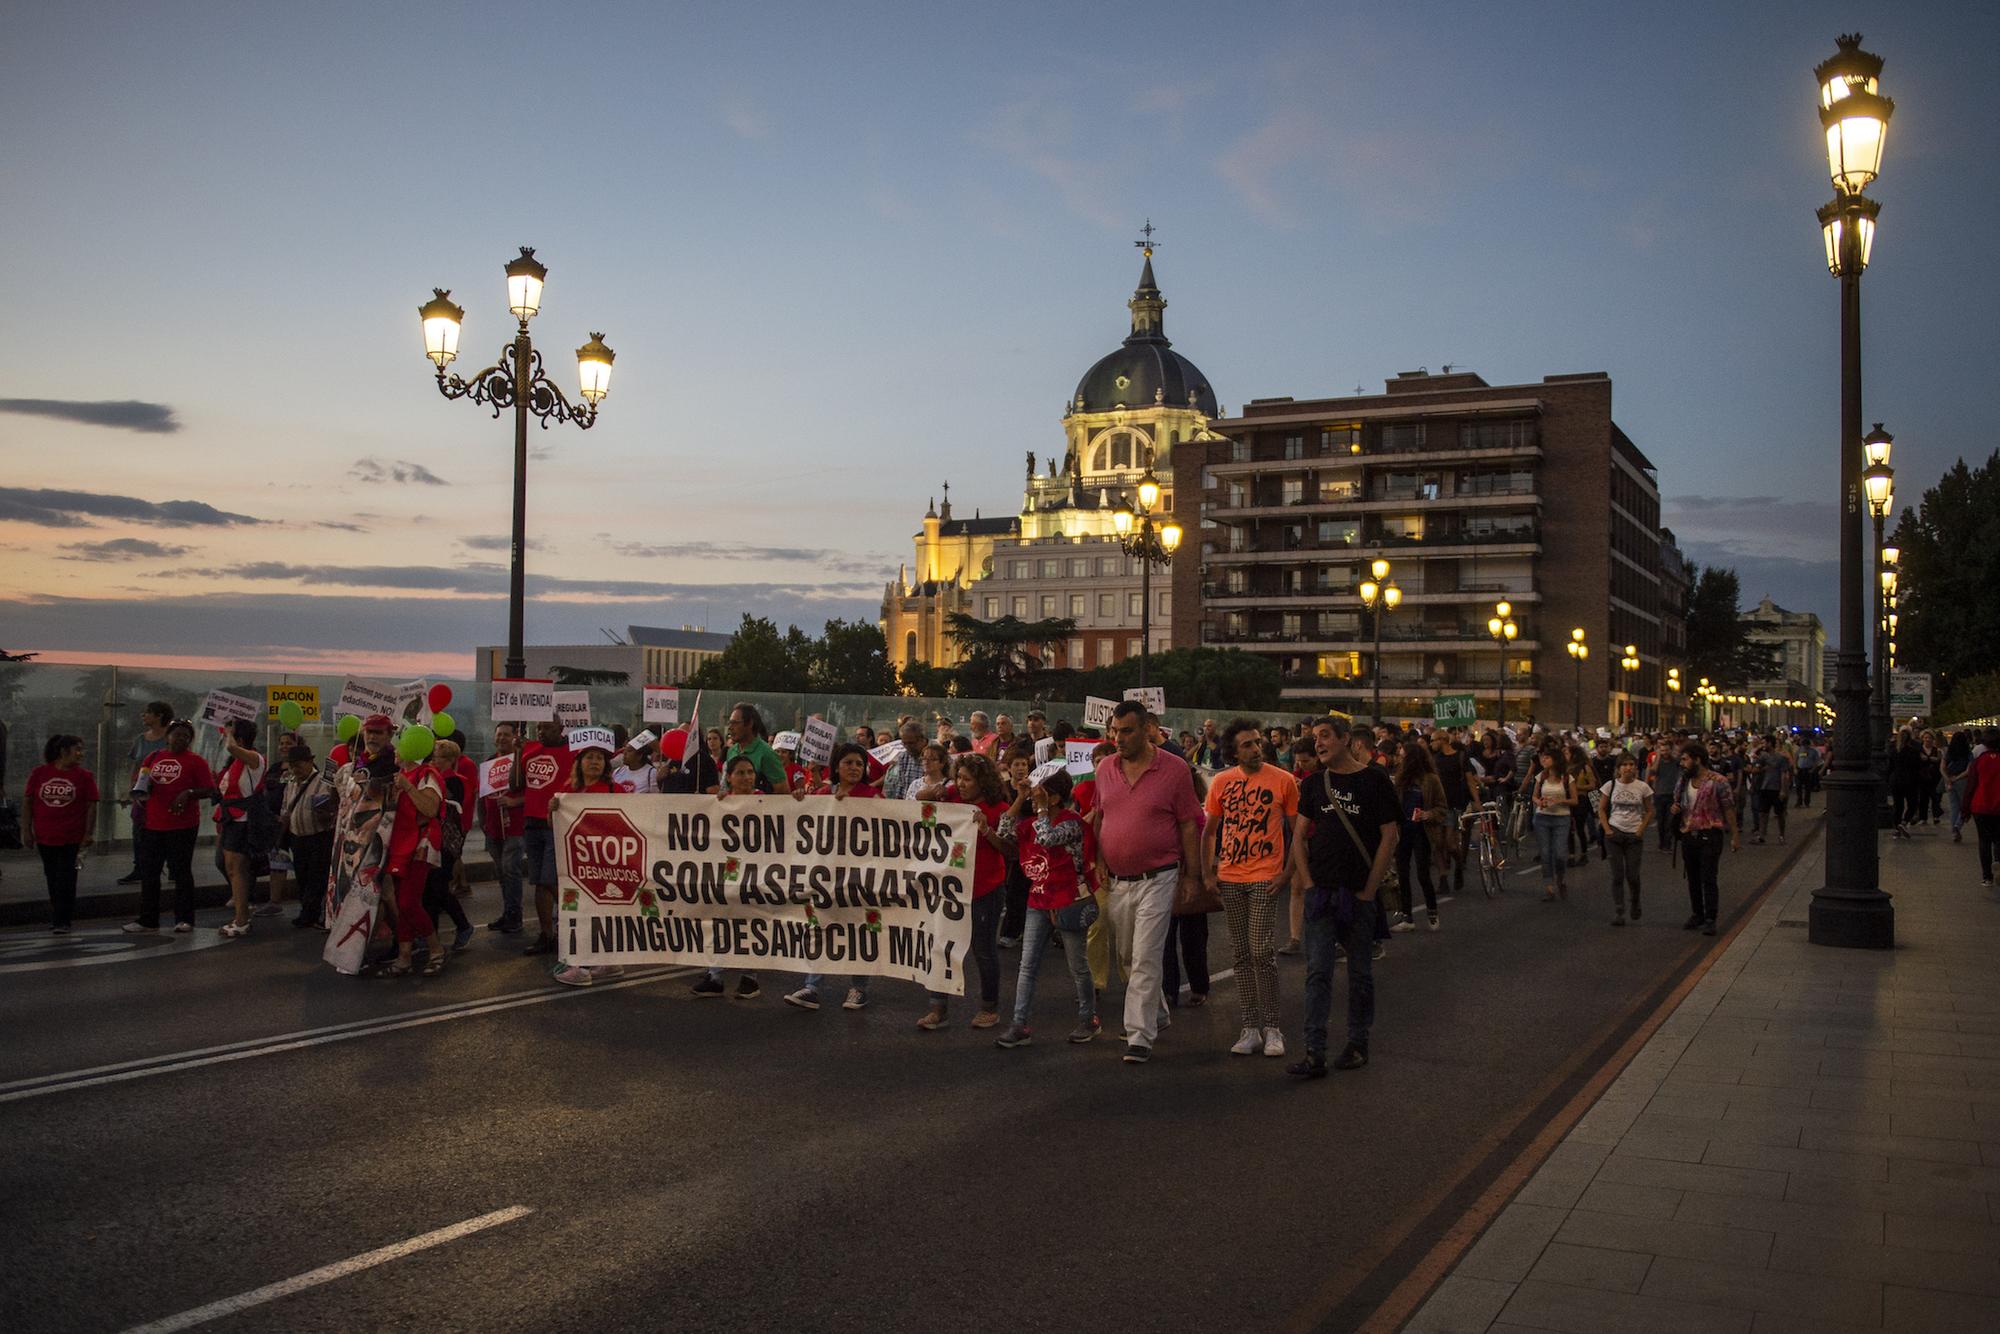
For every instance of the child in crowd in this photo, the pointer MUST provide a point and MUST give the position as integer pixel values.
(1054, 851)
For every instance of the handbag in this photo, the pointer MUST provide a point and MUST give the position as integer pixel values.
(1391, 882)
(1080, 914)
(1193, 897)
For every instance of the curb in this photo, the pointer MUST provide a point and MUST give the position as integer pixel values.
(123, 900)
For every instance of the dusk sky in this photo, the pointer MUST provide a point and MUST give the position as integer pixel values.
(846, 253)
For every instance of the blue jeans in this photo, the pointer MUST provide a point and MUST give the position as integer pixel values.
(509, 865)
(858, 982)
(1035, 933)
(1358, 938)
(1552, 842)
(1663, 820)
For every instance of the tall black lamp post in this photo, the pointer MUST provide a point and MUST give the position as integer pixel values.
(1379, 595)
(1501, 626)
(1150, 543)
(1878, 483)
(516, 381)
(1851, 909)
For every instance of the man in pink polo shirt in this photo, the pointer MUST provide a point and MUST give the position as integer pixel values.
(1146, 833)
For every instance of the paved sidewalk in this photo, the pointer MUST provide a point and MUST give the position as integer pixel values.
(1811, 1141)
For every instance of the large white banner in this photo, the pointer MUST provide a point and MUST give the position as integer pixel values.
(870, 886)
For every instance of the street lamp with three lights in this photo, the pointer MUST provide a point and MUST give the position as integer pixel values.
(1150, 543)
(1379, 595)
(1501, 626)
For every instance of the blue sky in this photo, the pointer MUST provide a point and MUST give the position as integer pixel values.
(845, 253)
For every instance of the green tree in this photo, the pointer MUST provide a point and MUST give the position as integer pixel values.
(1003, 658)
(852, 658)
(920, 678)
(759, 658)
(1194, 678)
(1973, 697)
(1718, 642)
(1948, 576)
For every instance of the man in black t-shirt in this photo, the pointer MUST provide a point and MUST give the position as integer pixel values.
(1344, 861)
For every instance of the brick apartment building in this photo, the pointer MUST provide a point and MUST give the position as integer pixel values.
(1474, 493)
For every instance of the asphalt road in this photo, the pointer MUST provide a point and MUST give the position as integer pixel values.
(719, 1165)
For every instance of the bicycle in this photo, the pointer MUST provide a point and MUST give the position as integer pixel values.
(1484, 822)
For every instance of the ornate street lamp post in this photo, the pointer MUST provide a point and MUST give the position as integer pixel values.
(1673, 700)
(1501, 626)
(1878, 484)
(1378, 595)
(1579, 651)
(1629, 664)
(1149, 543)
(1851, 909)
(516, 381)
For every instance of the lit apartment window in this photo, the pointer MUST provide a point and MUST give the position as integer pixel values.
(1017, 569)
(993, 609)
(1290, 625)
(1105, 648)
(1048, 605)
(1340, 666)
(1132, 647)
(1294, 490)
(1338, 532)
(1075, 652)
(1076, 604)
(1133, 606)
(1340, 440)
(1239, 540)
(1079, 568)
(1234, 495)
(1235, 624)
(1107, 605)
(1107, 565)
(1020, 606)
(1236, 581)
(1051, 569)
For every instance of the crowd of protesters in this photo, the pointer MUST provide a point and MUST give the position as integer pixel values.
(1315, 839)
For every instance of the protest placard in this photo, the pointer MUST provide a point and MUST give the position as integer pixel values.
(641, 741)
(523, 701)
(878, 888)
(1153, 697)
(1076, 758)
(601, 737)
(412, 704)
(361, 698)
(817, 741)
(1041, 772)
(494, 773)
(306, 697)
(1097, 712)
(888, 753)
(573, 707)
(222, 707)
(660, 704)
(786, 741)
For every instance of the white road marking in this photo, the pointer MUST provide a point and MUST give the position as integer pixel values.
(85, 948)
(312, 1278)
(23, 1089)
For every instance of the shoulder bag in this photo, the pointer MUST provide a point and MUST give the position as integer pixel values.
(1391, 883)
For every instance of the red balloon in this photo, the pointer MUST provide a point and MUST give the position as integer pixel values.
(440, 697)
(678, 744)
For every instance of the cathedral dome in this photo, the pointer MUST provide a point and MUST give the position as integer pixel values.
(1145, 371)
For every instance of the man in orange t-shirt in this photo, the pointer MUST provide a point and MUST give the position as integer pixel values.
(1243, 858)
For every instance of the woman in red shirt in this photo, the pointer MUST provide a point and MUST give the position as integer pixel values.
(848, 767)
(1052, 846)
(172, 783)
(413, 846)
(976, 783)
(62, 821)
(590, 773)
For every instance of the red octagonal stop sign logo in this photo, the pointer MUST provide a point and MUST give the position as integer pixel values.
(607, 856)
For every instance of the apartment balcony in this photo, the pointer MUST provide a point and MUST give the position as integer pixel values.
(1305, 685)
(1249, 508)
(1441, 639)
(1443, 451)
(1345, 599)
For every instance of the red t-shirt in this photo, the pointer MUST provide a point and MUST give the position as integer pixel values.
(414, 835)
(1053, 881)
(858, 790)
(167, 775)
(468, 774)
(59, 801)
(989, 867)
(547, 771)
(510, 816)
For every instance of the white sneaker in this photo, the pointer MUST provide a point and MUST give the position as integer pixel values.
(135, 929)
(573, 975)
(1434, 921)
(183, 928)
(1274, 1042)
(1403, 924)
(805, 998)
(1249, 1044)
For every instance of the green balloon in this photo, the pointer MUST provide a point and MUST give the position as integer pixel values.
(415, 744)
(442, 725)
(291, 715)
(347, 727)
